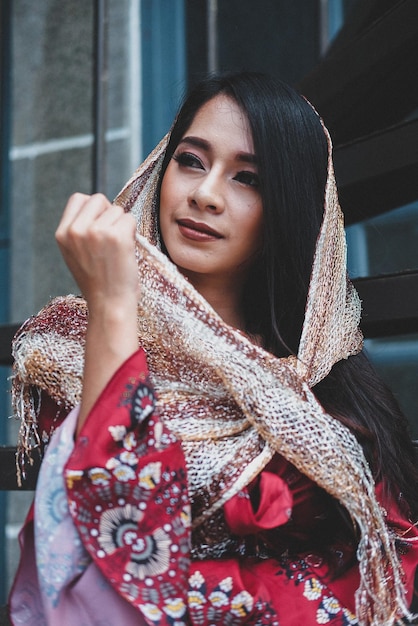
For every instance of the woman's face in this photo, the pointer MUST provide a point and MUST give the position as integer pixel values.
(210, 204)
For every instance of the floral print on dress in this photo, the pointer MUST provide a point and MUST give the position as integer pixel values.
(329, 608)
(224, 605)
(146, 557)
(150, 554)
(143, 403)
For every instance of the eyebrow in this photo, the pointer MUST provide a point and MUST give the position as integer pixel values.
(198, 142)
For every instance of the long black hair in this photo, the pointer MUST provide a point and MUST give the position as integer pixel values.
(292, 156)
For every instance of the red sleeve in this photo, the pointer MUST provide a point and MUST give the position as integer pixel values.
(127, 490)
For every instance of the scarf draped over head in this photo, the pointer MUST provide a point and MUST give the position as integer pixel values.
(232, 404)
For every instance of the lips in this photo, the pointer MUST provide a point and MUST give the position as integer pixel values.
(192, 229)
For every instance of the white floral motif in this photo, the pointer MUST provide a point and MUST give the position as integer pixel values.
(196, 580)
(151, 611)
(124, 473)
(112, 463)
(226, 584)
(313, 589)
(99, 476)
(174, 607)
(150, 475)
(196, 599)
(218, 599)
(331, 605)
(129, 458)
(242, 604)
(117, 432)
(322, 617)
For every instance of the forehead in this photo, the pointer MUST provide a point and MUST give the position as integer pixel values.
(221, 119)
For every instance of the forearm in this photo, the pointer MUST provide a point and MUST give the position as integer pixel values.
(111, 339)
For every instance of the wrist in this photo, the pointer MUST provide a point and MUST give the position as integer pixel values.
(113, 312)
(113, 325)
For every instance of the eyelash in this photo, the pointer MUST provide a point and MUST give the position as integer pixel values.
(248, 178)
(187, 159)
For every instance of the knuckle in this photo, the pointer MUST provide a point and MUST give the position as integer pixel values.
(77, 199)
(77, 195)
(100, 199)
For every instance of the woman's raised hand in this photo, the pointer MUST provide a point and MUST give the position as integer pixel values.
(97, 241)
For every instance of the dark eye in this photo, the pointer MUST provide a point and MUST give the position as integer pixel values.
(187, 159)
(248, 178)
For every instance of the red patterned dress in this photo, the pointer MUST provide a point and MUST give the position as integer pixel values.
(109, 537)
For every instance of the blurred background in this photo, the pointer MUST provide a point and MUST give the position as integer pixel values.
(88, 87)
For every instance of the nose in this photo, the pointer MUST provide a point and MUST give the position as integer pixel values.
(207, 195)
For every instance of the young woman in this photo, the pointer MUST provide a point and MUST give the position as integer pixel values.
(232, 458)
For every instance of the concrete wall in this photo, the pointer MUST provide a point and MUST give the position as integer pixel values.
(52, 103)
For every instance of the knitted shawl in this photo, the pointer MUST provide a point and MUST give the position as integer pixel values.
(232, 404)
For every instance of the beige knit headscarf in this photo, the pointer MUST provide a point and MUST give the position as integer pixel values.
(232, 404)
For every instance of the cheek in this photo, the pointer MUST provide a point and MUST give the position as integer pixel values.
(165, 185)
(166, 198)
(173, 192)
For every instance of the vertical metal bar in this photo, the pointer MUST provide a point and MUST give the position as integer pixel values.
(5, 48)
(212, 33)
(5, 108)
(100, 80)
(135, 83)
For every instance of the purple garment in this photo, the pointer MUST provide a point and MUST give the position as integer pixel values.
(57, 584)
